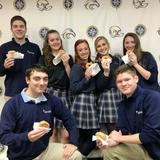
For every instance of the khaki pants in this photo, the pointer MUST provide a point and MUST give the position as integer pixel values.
(54, 151)
(126, 152)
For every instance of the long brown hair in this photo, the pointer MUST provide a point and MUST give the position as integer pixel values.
(47, 51)
(138, 49)
(78, 60)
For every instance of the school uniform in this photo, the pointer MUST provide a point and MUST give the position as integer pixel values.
(140, 114)
(58, 84)
(18, 117)
(84, 107)
(108, 94)
(15, 76)
(149, 63)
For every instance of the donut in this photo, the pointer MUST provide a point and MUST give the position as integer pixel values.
(101, 135)
(105, 57)
(11, 54)
(61, 52)
(88, 64)
(128, 51)
(43, 124)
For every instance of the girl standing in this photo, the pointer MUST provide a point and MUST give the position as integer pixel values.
(58, 63)
(142, 61)
(109, 96)
(84, 104)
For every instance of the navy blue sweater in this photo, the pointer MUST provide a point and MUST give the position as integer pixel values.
(78, 82)
(17, 120)
(141, 114)
(103, 82)
(57, 74)
(149, 63)
(15, 76)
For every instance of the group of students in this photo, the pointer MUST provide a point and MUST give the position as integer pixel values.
(92, 100)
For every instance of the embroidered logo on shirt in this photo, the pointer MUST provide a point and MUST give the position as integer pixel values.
(139, 112)
(30, 52)
(49, 111)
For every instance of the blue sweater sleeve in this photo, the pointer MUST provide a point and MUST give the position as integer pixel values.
(151, 126)
(149, 63)
(2, 58)
(62, 112)
(78, 82)
(7, 125)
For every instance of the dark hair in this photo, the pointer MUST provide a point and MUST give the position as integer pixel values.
(138, 49)
(47, 52)
(18, 18)
(78, 60)
(35, 67)
(125, 68)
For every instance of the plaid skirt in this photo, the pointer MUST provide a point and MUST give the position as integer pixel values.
(65, 96)
(85, 111)
(107, 105)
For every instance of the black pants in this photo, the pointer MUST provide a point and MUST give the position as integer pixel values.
(86, 145)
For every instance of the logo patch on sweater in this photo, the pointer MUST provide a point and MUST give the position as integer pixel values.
(30, 52)
(44, 111)
(139, 112)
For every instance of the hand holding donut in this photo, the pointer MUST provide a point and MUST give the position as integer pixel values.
(132, 57)
(65, 59)
(88, 65)
(88, 72)
(9, 61)
(105, 61)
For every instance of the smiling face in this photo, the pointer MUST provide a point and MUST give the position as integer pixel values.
(102, 47)
(83, 51)
(18, 29)
(127, 83)
(37, 83)
(129, 43)
(54, 41)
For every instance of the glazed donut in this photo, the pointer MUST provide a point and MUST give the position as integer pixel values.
(11, 54)
(88, 64)
(43, 124)
(105, 57)
(101, 135)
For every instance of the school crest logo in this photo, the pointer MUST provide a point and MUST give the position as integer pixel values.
(92, 31)
(91, 4)
(140, 29)
(68, 4)
(116, 3)
(43, 32)
(68, 33)
(43, 5)
(140, 4)
(115, 31)
(19, 4)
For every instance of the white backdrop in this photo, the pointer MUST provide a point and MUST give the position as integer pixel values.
(72, 18)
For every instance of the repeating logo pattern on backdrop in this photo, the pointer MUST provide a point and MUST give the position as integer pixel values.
(19, 4)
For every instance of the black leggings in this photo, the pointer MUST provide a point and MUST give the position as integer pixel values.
(86, 145)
